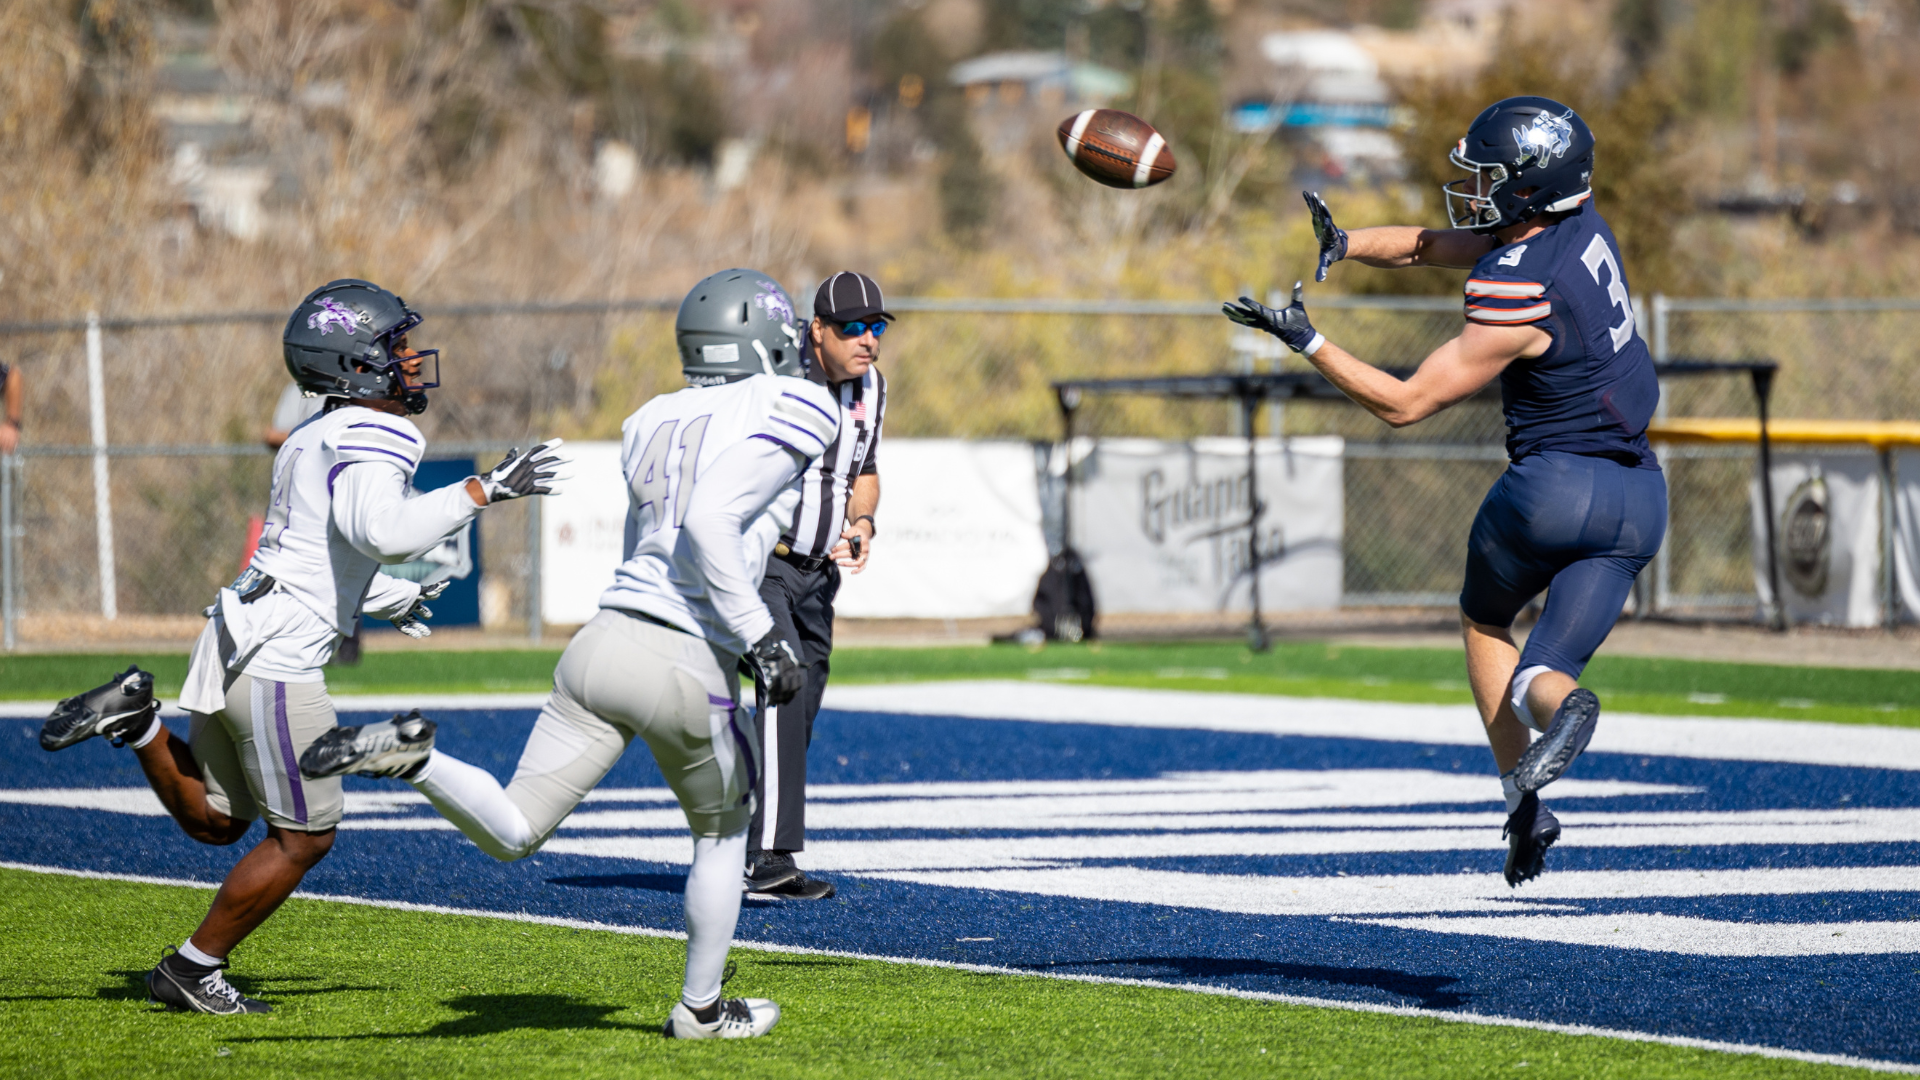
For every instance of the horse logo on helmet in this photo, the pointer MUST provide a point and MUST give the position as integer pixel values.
(1545, 136)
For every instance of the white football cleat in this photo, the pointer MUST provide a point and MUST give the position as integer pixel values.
(389, 748)
(740, 1018)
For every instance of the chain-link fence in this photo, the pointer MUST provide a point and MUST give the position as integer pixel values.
(175, 408)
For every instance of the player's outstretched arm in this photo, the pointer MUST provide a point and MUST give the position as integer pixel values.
(1394, 247)
(375, 515)
(1449, 374)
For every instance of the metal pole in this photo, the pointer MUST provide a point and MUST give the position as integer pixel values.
(102, 492)
(536, 619)
(1257, 629)
(1889, 589)
(7, 601)
(1762, 390)
(1069, 401)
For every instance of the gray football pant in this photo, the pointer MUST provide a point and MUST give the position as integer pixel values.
(620, 676)
(249, 754)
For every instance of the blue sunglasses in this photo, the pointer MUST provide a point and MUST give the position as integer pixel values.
(857, 328)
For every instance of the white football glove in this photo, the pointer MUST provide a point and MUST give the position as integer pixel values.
(413, 621)
(520, 475)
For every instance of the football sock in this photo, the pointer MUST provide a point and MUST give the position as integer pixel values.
(474, 801)
(154, 731)
(1511, 790)
(1521, 682)
(198, 957)
(713, 908)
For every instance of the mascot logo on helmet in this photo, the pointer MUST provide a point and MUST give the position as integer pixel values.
(334, 315)
(775, 303)
(1545, 137)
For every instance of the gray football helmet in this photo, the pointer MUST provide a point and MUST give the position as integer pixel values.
(738, 323)
(339, 343)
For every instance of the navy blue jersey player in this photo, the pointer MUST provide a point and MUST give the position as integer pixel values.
(1582, 505)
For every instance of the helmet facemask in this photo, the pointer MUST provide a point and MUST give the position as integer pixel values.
(1473, 208)
(412, 395)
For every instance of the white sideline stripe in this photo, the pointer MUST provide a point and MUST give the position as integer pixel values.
(39, 710)
(1478, 1019)
(1792, 741)
(1680, 934)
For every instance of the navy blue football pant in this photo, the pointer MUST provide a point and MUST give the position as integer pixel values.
(1579, 527)
(801, 603)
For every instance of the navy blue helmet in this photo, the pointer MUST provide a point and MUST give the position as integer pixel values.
(339, 343)
(1528, 156)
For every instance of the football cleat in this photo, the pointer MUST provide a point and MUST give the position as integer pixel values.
(1550, 755)
(389, 748)
(195, 989)
(1531, 829)
(119, 709)
(801, 888)
(768, 871)
(740, 1018)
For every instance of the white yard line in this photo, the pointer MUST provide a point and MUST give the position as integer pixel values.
(1218, 991)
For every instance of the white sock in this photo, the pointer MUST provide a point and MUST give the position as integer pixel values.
(1521, 681)
(154, 731)
(713, 908)
(474, 801)
(1511, 790)
(197, 956)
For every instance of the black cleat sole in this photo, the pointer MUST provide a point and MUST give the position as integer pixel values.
(1551, 754)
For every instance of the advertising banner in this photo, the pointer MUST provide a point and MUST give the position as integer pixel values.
(1162, 525)
(581, 530)
(959, 533)
(1827, 525)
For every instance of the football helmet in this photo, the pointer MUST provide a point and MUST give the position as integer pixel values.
(1520, 144)
(339, 343)
(738, 323)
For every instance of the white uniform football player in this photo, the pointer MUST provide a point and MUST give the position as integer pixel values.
(342, 505)
(712, 477)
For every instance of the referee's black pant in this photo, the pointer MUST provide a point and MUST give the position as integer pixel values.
(802, 607)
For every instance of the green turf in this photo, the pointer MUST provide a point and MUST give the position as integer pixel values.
(365, 992)
(1298, 669)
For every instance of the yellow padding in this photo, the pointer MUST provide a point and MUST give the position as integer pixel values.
(1879, 434)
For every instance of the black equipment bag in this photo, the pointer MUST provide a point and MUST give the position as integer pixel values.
(1064, 600)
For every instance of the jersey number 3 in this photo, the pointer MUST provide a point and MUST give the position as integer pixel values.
(1596, 256)
(650, 485)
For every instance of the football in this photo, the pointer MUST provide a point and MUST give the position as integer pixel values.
(1117, 149)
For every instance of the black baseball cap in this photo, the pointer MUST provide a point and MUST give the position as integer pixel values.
(850, 296)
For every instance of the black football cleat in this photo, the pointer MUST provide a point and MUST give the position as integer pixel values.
(801, 888)
(119, 710)
(1569, 733)
(1531, 829)
(768, 871)
(393, 747)
(187, 987)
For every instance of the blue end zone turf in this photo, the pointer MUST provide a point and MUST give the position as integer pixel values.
(1743, 902)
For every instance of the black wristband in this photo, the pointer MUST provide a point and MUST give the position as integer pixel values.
(868, 518)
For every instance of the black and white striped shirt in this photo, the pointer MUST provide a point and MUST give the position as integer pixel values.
(824, 488)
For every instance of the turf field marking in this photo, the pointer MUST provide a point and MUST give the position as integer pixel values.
(1682, 934)
(1477, 1019)
(1794, 741)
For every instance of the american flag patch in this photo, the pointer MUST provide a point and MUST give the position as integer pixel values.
(859, 411)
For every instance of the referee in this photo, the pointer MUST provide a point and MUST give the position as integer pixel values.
(833, 527)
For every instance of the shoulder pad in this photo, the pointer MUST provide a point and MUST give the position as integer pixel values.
(376, 436)
(802, 414)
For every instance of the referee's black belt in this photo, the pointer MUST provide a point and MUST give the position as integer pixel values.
(804, 563)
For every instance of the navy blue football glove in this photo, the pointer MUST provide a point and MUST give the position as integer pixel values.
(1289, 324)
(1333, 238)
